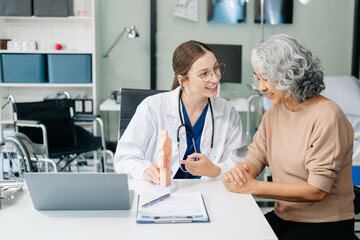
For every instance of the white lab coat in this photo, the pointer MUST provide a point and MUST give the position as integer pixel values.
(138, 147)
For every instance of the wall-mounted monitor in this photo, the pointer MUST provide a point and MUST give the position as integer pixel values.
(275, 11)
(230, 55)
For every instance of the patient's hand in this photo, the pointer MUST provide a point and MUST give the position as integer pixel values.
(152, 174)
(237, 174)
(239, 179)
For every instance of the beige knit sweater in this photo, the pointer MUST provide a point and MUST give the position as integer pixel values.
(314, 145)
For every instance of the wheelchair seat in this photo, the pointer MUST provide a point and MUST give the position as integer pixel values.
(65, 140)
(85, 142)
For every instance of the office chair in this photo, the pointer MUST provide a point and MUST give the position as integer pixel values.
(47, 133)
(130, 99)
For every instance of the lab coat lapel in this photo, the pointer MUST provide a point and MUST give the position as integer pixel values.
(172, 104)
(172, 107)
(173, 113)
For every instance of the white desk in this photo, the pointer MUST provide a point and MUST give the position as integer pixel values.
(241, 104)
(109, 105)
(233, 216)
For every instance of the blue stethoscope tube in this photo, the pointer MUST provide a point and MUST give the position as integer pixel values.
(187, 128)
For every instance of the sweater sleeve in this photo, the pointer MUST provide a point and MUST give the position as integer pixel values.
(331, 140)
(258, 148)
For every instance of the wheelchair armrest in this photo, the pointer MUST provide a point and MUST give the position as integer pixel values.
(85, 117)
(28, 123)
(37, 124)
(93, 118)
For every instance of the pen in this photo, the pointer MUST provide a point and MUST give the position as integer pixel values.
(159, 199)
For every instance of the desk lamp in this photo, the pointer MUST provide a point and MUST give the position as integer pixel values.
(131, 34)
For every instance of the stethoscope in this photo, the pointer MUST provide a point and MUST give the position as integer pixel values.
(188, 128)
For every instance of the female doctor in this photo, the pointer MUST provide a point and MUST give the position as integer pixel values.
(206, 127)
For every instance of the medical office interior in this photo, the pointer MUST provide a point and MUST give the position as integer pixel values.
(86, 51)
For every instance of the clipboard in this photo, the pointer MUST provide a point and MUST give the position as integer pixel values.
(179, 208)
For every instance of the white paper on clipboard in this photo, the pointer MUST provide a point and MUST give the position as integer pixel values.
(180, 207)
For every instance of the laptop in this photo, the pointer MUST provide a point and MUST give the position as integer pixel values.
(79, 191)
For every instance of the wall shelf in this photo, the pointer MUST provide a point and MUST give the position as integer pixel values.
(77, 33)
(27, 18)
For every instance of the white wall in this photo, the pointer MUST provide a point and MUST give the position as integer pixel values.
(128, 63)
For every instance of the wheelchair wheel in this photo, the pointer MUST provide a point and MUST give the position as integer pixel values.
(14, 158)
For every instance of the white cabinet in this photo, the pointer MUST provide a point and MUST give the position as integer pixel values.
(77, 33)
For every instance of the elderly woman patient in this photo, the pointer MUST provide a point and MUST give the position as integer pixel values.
(306, 141)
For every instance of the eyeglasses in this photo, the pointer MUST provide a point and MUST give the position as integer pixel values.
(208, 75)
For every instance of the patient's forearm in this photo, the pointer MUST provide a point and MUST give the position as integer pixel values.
(294, 192)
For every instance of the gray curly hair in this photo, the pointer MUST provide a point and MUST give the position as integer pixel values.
(286, 62)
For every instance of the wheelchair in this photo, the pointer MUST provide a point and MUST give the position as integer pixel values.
(48, 138)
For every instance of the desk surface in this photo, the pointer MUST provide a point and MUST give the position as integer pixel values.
(233, 216)
(109, 105)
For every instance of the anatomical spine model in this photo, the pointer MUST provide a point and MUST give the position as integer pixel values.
(164, 158)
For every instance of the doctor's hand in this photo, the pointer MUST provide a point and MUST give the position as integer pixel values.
(239, 179)
(203, 167)
(152, 174)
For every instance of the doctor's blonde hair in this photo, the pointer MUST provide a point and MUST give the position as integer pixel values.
(184, 57)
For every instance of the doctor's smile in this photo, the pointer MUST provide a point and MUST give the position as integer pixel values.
(213, 88)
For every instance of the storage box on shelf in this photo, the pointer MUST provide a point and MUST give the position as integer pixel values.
(16, 8)
(51, 8)
(23, 68)
(69, 68)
